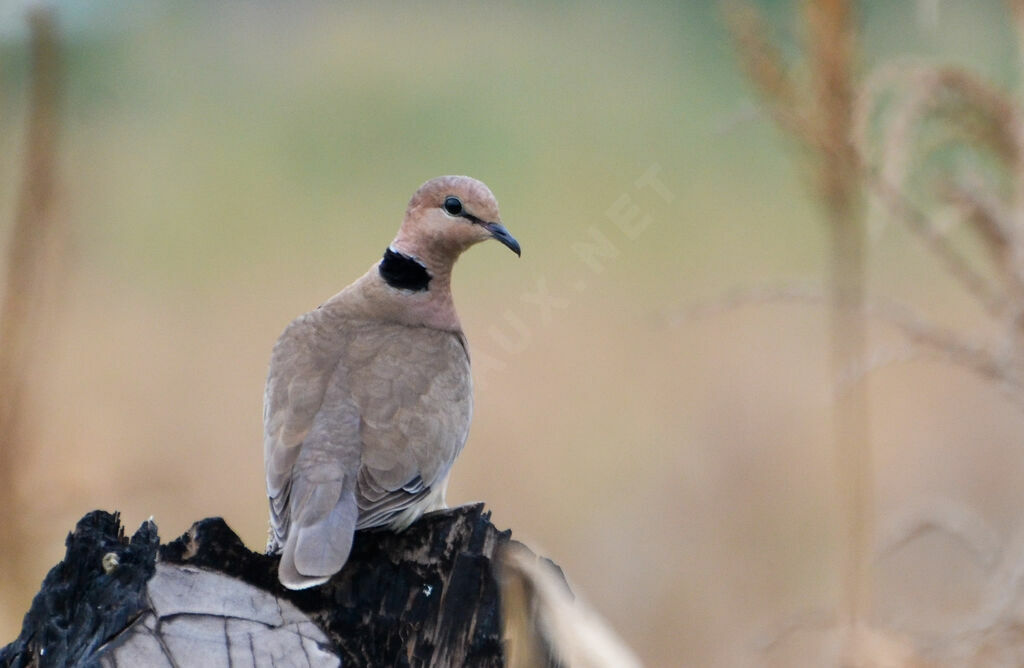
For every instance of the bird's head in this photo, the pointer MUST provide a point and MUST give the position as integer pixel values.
(446, 216)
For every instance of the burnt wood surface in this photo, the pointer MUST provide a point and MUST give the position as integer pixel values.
(426, 596)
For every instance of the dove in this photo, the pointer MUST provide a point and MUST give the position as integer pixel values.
(369, 397)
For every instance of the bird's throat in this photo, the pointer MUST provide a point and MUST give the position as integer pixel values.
(403, 272)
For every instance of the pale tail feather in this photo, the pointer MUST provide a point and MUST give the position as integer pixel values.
(312, 554)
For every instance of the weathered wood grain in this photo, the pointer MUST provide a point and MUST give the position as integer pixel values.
(425, 597)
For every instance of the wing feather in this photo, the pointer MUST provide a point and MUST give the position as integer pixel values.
(414, 424)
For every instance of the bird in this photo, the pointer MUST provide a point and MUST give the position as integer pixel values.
(368, 397)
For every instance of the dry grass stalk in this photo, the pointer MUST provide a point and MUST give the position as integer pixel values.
(765, 67)
(905, 117)
(926, 339)
(921, 225)
(986, 121)
(824, 125)
(832, 42)
(20, 314)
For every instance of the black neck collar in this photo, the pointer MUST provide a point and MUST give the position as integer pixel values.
(403, 272)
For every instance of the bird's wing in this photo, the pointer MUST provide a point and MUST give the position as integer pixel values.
(416, 406)
(311, 451)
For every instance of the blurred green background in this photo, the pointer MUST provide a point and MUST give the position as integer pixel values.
(227, 166)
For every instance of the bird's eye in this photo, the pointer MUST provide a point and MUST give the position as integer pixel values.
(453, 206)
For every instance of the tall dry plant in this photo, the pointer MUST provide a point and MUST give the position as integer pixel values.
(29, 263)
(905, 116)
(942, 151)
(939, 151)
(818, 113)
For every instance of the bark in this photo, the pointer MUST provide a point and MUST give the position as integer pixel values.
(427, 596)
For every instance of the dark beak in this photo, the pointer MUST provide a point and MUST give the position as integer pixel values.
(499, 232)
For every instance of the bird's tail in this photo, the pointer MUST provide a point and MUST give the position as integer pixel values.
(313, 552)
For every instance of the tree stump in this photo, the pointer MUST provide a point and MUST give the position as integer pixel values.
(426, 596)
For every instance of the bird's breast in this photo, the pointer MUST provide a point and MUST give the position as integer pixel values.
(412, 386)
